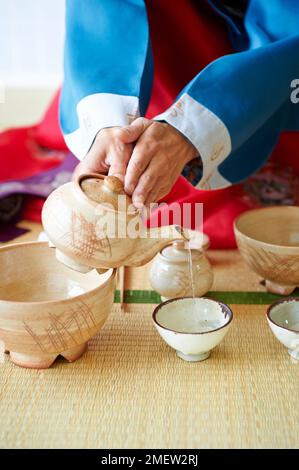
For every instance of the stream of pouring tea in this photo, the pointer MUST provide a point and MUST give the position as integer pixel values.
(191, 271)
(187, 239)
(202, 325)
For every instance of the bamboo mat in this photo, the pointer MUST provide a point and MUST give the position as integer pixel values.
(131, 391)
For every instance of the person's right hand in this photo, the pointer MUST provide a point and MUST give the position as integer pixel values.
(111, 151)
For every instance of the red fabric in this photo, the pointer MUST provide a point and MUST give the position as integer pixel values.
(286, 151)
(32, 209)
(47, 133)
(24, 152)
(21, 156)
(184, 41)
(220, 208)
(196, 40)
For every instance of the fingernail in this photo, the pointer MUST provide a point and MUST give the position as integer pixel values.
(138, 202)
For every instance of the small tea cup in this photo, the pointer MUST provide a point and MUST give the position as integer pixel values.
(192, 326)
(283, 319)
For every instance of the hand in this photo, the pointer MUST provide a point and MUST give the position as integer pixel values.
(160, 154)
(111, 151)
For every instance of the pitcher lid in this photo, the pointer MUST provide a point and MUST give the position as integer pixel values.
(178, 251)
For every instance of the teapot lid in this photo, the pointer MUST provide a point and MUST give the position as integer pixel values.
(178, 251)
(106, 190)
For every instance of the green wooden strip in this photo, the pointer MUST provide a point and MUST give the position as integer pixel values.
(245, 298)
(138, 297)
(237, 297)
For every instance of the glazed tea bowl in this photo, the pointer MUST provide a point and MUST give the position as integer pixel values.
(283, 319)
(268, 240)
(192, 326)
(47, 309)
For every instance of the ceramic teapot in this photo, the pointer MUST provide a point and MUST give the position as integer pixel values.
(170, 271)
(93, 224)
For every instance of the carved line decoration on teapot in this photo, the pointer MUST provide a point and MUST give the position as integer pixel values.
(84, 239)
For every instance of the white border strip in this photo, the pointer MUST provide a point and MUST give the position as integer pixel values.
(96, 112)
(206, 132)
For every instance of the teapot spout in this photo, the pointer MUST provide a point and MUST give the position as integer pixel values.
(162, 236)
(155, 239)
(167, 234)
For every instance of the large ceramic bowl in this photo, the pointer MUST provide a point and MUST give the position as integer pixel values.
(47, 309)
(283, 319)
(192, 326)
(268, 240)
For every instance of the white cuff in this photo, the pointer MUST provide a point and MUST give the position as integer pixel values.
(96, 112)
(206, 131)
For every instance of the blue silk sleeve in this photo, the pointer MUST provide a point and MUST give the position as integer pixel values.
(107, 69)
(234, 110)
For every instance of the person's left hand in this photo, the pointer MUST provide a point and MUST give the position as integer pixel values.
(160, 154)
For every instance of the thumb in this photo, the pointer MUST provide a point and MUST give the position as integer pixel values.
(131, 133)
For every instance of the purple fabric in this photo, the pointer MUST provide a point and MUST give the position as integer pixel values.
(40, 185)
(10, 231)
(43, 184)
